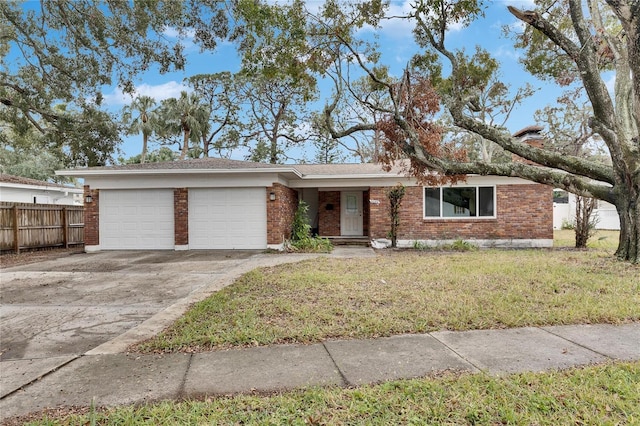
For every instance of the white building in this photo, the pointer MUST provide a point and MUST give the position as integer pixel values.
(16, 189)
(604, 214)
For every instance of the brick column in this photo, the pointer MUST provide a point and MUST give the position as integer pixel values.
(280, 213)
(181, 218)
(329, 210)
(91, 219)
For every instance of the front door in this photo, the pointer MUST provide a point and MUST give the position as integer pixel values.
(351, 213)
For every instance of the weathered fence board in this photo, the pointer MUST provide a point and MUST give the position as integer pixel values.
(30, 226)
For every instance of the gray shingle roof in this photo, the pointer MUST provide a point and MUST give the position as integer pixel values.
(28, 181)
(342, 169)
(200, 163)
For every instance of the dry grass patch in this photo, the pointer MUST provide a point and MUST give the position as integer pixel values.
(408, 292)
(601, 239)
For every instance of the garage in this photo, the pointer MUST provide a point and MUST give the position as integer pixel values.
(227, 218)
(136, 219)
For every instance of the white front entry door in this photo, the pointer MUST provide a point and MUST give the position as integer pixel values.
(351, 213)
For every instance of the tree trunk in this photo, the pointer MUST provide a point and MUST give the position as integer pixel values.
(584, 224)
(629, 213)
(185, 144)
(205, 147)
(273, 151)
(143, 156)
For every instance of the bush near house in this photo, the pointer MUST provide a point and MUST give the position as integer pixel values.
(301, 238)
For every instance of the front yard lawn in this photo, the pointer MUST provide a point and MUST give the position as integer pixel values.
(408, 292)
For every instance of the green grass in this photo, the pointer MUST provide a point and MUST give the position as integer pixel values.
(598, 395)
(601, 240)
(400, 292)
(408, 292)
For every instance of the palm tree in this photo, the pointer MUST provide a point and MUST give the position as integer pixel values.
(140, 117)
(186, 115)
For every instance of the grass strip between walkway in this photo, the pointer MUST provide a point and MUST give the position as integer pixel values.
(408, 292)
(596, 395)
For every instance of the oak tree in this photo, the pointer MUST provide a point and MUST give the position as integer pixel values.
(56, 58)
(581, 50)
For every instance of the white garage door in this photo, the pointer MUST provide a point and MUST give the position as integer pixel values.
(227, 218)
(136, 219)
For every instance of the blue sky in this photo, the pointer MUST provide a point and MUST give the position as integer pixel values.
(396, 46)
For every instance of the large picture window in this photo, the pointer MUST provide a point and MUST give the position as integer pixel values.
(466, 201)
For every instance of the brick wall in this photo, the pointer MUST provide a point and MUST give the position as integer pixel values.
(181, 216)
(329, 219)
(91, 217)
(536, 143)
(523, 212)
(280, 213)
(365, 213)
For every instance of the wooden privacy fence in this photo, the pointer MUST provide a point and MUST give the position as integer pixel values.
(31, 226)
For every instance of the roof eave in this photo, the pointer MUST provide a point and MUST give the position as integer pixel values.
(40, 187)
(148, 172)
(353, 176)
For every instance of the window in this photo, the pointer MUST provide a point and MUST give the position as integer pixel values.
(467, 201)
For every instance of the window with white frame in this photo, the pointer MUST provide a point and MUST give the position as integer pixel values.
(460, 202)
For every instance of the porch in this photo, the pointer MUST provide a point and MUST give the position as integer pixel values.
(342, 215)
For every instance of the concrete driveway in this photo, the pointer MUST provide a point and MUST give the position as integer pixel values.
(73, 304)
(55, 311)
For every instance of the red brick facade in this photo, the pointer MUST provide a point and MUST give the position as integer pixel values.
(91, 217)
(522, 212)
(280, 212)
(181, 216)
(329, 213)
(366, 213)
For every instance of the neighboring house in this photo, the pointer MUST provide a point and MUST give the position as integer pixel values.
(225, 204)
(604, 214)
(16, 189)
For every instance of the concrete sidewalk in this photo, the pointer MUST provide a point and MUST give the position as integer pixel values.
(116, 379)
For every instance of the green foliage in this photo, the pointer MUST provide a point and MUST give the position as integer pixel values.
(457, 245)
(56, 58)
(461, 245)
(188, 116)
(141, 117)
(221, 133)
(274, 108)
(156, 156)
(25, 155)
(300, 228)
(301, 238)
(419, 245)
(311, 245)
(395, 196)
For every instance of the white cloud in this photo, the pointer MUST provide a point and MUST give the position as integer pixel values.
(170, 89)
(507, 51)
(171, 32)
(395, 27)
(521, 4)
(400, 27)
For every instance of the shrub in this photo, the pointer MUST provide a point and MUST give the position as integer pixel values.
(301, 239)
(461, 245)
